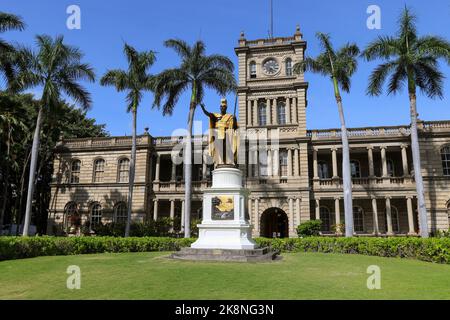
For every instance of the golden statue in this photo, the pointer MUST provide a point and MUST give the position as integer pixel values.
(223, 138)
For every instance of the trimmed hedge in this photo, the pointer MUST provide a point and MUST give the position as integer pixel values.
(28, 247)
(432, 249)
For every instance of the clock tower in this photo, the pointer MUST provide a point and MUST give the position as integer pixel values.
(272, 110)
(270, 94)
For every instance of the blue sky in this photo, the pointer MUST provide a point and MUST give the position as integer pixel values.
(105, 25)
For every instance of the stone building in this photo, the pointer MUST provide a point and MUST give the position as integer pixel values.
(291, 181)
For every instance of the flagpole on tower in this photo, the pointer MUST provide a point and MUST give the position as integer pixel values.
(271, 19)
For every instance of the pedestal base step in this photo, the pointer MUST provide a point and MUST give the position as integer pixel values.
(253, 255)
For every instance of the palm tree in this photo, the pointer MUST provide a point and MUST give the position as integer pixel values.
(56, 68)
(411, 60)
(195, 72)
(135, 80)
(339, 66)
(10, 123)
(8, 22)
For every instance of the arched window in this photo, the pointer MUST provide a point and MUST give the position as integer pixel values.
(395, 220)
(75, 171)
(99, 170)
(355, 169)
(325, 217)
(262, 116)
(123, 170)
(358, 219)
(445, 155)
(323, 170)
(289, 67)
(96, 213)
(252, 70)
(71, 214)
(390, 168)
(120, 212)
(283, 163)
(281, 112)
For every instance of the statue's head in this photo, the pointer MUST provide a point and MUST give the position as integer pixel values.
(223, 106)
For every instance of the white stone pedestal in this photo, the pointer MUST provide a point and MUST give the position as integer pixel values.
(224, 225)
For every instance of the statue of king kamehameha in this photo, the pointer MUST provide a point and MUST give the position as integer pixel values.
(223, 137)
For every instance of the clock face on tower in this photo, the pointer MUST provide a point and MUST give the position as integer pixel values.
(271, 66)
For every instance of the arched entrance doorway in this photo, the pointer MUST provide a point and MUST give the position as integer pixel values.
(274, 223)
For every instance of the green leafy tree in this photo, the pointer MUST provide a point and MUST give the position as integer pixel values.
(56, 68)
(339, 66)
(412, 61)
(7, 51)
(135, 81)
(196, 72)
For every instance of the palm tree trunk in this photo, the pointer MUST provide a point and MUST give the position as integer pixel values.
(5, 190)
(423, 216)
(34, 158)
(188, 166)
(132, 173)
(346, 175)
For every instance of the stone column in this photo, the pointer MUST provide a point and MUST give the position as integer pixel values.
(334, 160)
(158, 165)
(389, 216)
(269, 162)
(337, 213)
(383, 161)
(289, 162)
(288, 111)
(296, 163)
(172, 211)
(257, 232)
(249, 208)
(174, 171)
(294, 105)
(405, 160)
(268, 112)
(204, 169)
(376, 229)
(315, 165)
(155, 209)
(249, 112)
(410, 215)
(274, 111)
(317, 209)
(276, 162)
(297, 212)
(370, 156)
(255, 113)
(182, 215)
(291, 215)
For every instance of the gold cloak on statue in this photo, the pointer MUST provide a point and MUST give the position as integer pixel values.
(222, 131)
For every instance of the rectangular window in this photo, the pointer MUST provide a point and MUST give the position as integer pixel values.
(284, 163)
(75, 172)
(262, 114)
(445, 154)
(124, 170)
(99, 170)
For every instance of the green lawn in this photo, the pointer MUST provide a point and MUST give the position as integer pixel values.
(153, 276)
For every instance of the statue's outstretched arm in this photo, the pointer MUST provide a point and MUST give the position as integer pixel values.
(208, 114)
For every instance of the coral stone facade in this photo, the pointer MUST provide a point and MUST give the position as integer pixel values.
(296, 179)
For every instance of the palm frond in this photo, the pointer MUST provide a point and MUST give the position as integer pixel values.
(180, 46)
(382, 48)
(378, 77)
(10, 22)
(117, 78)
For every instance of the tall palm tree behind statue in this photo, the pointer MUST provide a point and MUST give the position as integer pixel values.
(196, 72)
(339, 66)
(56, 68)
(135, 80)
(411, 60)
(7, 51)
